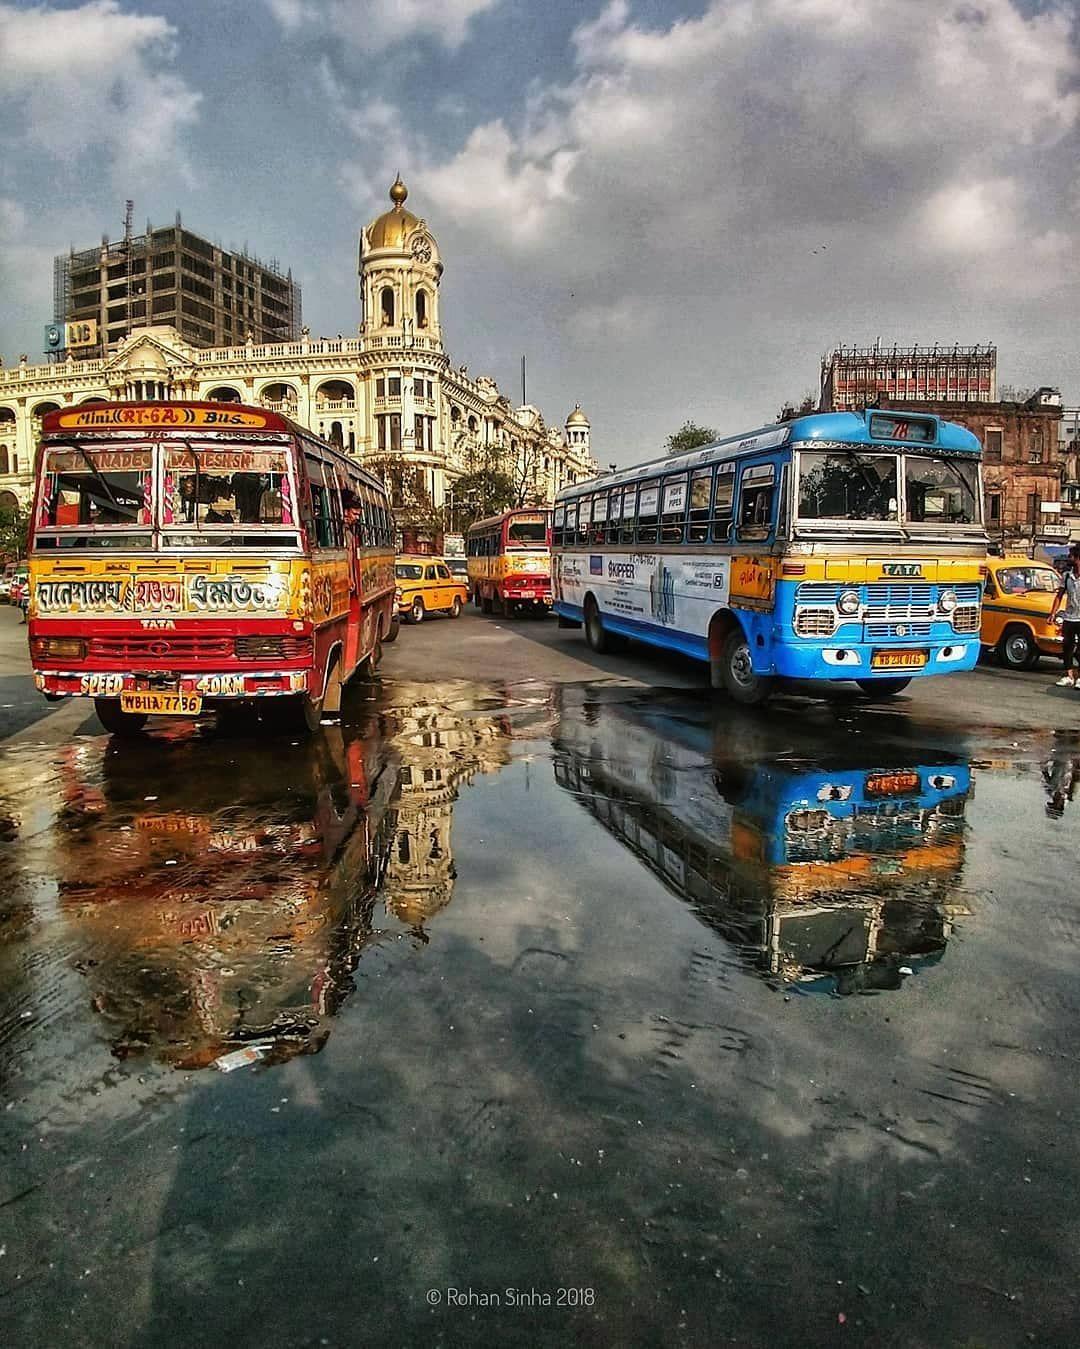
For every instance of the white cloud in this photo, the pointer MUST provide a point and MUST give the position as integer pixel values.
(374, 25)
(95, 79)
(774, 175)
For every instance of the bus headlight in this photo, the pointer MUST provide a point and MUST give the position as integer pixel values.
(848, 603)
(947, 601)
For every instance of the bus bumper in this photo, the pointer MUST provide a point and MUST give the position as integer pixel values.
(836, 661)
(224, 685)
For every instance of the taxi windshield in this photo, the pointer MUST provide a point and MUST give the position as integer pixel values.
(1025, 580)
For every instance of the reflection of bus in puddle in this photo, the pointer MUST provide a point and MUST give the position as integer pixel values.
(220, 897)
(836, 873)
(229, 904)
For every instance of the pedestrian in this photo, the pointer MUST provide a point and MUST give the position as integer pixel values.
(1068, 598)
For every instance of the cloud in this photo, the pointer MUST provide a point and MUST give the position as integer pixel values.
(374, 25)
(774, 175)
(94, 79)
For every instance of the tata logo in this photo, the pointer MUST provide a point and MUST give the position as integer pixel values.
(901, 569)
(158, 624)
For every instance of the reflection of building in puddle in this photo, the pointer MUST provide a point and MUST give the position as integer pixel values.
(439, 751)
(217, 895)
(838, 874)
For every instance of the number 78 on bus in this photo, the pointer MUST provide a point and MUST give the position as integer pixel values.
(838, 546)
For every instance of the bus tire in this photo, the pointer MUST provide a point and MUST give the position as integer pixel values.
(883, 688)
(598, 639)
(1017, 649)
(416, 611)
(455, 609)
(115, 720)
(485, 604)
(393, 630)
(736, 673)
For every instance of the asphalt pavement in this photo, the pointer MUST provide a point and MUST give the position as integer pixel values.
(548, 998)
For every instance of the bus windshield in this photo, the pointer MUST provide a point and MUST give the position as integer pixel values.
(941, 491)
(225, 487)
(531, 531)
(87, 490)
(844, 485)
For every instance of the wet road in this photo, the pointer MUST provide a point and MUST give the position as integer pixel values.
(708, 1026)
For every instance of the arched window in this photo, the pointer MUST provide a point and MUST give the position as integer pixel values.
(4, 467)
(421, 308)
(387, 304)
(335, 434)
(224, 393)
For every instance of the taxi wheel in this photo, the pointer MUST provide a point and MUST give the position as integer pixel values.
(1017, 649)
(115, 720)
(416, 611)
(883, 688)
(455, 608)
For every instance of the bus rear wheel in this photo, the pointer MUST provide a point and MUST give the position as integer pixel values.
(736, 674)
(115, 720)
(595, 635)
(393, 630)
(883, 688)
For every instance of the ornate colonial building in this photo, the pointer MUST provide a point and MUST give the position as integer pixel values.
(390, 394)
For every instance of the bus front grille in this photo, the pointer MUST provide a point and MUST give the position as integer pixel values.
(160, 649)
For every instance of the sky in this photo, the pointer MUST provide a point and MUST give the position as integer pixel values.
(673, 208)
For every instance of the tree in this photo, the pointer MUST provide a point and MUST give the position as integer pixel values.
(13, 530)
(789, 411)
(483, 492)
(688, 437)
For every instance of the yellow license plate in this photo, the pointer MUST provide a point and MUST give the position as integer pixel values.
(162, 704)
(898, 660)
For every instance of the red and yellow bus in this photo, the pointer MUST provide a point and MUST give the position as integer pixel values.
(192, 556)
(509, 558)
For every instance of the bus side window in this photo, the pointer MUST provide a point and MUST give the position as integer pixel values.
(648, 512)
(757, 493)
(629, 515)
(599, 517)
(557, 525)
(673, 511)
(584, 519)
(723, 503)
(614, 511)
(700, 500)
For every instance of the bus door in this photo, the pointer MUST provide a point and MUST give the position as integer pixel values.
(357, 537)
(757, 508)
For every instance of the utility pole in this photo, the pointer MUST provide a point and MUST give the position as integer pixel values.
(523, 398)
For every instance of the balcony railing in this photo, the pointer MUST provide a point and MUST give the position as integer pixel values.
(335, 405)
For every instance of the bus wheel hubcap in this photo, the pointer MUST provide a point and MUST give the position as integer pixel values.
(742, 667)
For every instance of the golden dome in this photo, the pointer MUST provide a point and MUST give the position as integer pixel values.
(577, 417)
(392, 229)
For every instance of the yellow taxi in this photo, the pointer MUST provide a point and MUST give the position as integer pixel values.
(1017, 600)
(425, 585)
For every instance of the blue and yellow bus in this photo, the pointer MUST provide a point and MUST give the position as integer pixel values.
(840, 545)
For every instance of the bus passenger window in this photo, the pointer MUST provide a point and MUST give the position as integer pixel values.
(723, 504)
(584, 516)
(629, 515)
(614, 509)
(673, 512)
(571, 523)
(599, 517)
(700, 499)
(557, 525)
(757, 491)
(648, 512)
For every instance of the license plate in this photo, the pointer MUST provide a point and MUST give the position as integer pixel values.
(898, 660)
(162, 704)
(173, 824)
(892, 784)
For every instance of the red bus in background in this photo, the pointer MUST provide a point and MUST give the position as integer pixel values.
(509, 561)
(192, 556)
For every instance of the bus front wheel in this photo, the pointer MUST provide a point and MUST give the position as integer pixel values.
(883, 688)
(736, 673)
(115, 720)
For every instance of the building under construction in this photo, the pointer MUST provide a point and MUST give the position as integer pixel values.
(212, 297)
(852, 377)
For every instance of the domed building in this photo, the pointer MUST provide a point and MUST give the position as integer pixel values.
(390, 395)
